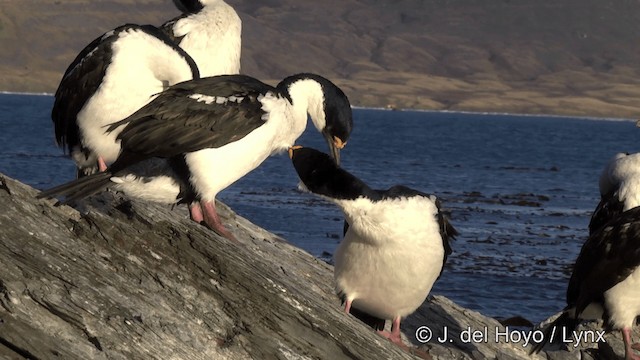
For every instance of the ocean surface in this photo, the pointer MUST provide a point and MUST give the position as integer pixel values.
(520, 190)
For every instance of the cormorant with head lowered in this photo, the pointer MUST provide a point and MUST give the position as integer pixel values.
(619, 189)
(215, 130)
(395, 245)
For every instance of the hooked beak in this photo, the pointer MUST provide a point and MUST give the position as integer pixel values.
(335, 144)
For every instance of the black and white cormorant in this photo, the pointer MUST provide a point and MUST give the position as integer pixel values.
(395, 245)
(215, 130)
(111, 78)
(210, 31)
(619, 189)
(605, 283)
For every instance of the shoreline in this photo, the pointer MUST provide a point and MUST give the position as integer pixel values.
(382, 108)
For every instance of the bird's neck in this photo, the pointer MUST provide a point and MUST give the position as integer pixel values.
(307, 97)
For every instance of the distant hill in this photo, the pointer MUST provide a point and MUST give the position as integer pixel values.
(574, 57)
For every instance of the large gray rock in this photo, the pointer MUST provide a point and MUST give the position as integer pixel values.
(132, 280)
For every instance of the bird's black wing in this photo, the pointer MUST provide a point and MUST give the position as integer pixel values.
(608, 208)
(193, 115)
(607, 257)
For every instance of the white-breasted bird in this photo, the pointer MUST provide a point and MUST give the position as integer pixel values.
(111, 78)
(394, 248)
(215, 130)
(210, 31)
(605, 283)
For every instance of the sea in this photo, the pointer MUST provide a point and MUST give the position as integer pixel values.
(520, 190)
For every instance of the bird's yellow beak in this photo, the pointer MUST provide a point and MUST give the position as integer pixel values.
(338, 143)
(335, 145)
(291, 149)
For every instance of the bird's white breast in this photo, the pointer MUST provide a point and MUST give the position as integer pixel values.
(213, 169)
(391, 256)
(623, 301)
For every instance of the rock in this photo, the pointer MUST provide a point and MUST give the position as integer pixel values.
(142, 281)
(134, 280)
(587, 345)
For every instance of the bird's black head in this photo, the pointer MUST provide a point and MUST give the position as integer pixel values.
(338, 116)
(189, 6)
(337, 123)
(339, 119)
(321, 176)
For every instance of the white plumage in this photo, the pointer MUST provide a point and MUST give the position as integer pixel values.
(619, 185)
(390, 256)
(622, 175)
(141, 67)
(211, 33)
(623, 301)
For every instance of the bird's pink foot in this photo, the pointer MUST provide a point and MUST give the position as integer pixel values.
(195, 212)
(394, 336)
(629, 347)
(102, 166)
(212, 220)
(347, 306)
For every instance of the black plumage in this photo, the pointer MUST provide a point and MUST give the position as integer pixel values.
(178, 122)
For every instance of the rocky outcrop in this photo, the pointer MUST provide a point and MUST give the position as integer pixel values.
(132, 280)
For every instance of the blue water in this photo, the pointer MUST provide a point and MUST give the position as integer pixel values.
(520, 190)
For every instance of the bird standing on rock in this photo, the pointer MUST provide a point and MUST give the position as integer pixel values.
(111, 78)
(605, 282)
(215, 130)
(210, 31)
(394, 248)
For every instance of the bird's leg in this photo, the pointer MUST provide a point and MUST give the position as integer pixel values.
(195, 212)
(212, 220)
(347, 306)
(394, 335)
(102, 166)
(628, 345)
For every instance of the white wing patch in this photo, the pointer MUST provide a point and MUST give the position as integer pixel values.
(107, 34)
(216, 99)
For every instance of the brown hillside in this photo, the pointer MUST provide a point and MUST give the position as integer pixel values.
(576, 57)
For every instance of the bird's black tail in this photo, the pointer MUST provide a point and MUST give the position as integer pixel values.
(79, 188)
(553, 332)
